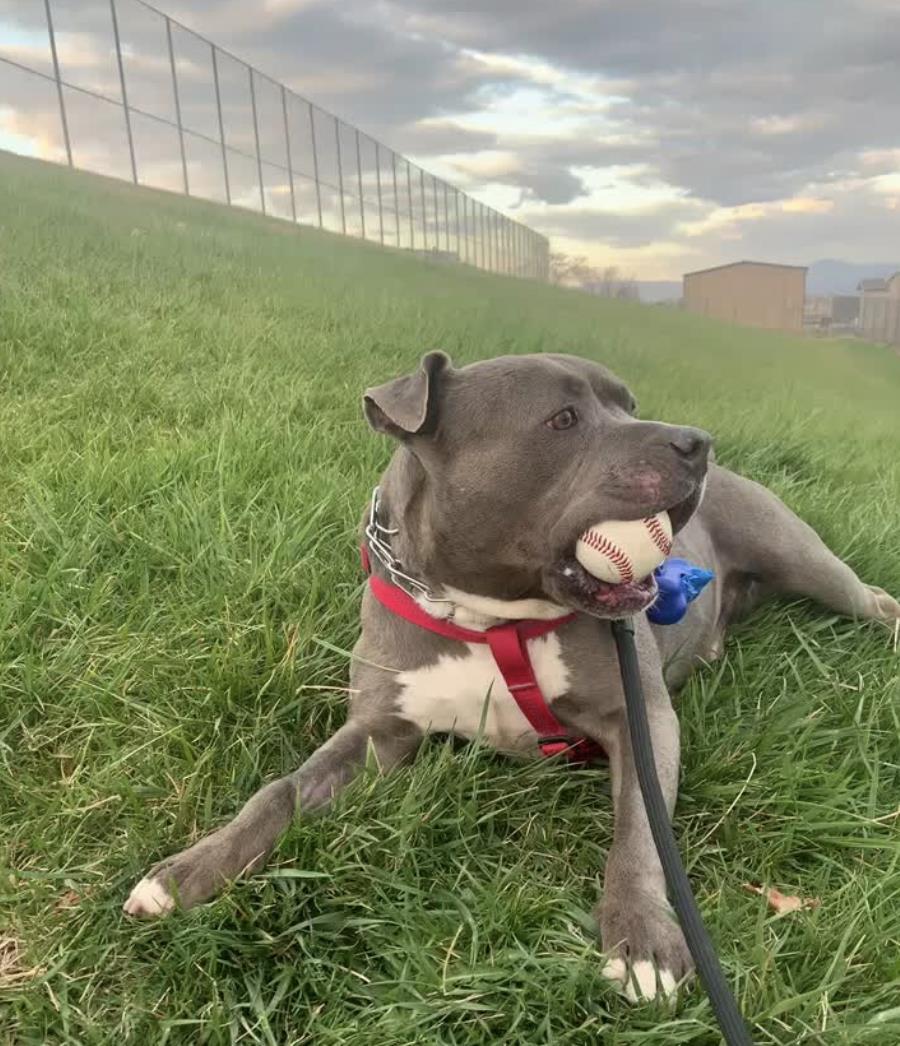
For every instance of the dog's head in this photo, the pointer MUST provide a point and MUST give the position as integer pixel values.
(510, 460)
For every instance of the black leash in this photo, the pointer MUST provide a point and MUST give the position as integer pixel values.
(725, 1007)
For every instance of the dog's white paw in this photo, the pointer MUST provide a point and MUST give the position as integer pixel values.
(642, 982)
(149, 900)
(886, 607)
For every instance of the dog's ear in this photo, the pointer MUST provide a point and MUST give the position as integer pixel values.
(406, 406)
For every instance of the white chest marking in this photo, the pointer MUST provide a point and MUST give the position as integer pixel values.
(459, 694)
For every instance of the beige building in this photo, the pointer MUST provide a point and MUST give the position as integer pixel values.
(879, 309)
(754, 294)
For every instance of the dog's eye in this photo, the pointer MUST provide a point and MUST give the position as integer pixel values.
(565, 419)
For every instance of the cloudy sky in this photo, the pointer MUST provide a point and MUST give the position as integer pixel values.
(659, 135)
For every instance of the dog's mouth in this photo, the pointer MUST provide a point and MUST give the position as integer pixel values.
(681, 512)
(602, 598)
(577, 588)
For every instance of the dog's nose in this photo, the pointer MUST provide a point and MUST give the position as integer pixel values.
(691, 444)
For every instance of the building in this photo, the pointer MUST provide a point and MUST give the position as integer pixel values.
(879, 309)
(754, 294)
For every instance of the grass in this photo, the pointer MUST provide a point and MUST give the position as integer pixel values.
(182, 465)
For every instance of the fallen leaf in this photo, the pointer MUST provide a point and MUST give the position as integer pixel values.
(783, 903)
(70, 899)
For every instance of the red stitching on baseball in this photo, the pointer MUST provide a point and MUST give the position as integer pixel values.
(616, 556)
(658, 535)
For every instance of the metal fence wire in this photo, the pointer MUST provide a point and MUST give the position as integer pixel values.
(118, 87)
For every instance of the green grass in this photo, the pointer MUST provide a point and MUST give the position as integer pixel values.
(182, 465)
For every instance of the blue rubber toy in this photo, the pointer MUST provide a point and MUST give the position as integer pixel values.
(680, 582)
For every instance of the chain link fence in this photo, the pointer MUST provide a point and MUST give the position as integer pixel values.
(118, 87)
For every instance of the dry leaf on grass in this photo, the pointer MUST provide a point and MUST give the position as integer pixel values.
(70, 899)
(12, 972)
(783, 903)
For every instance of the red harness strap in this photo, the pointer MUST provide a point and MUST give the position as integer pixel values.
(509, 645)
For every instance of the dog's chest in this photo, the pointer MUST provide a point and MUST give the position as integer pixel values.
(465, 693)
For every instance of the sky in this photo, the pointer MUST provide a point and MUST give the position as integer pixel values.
(660, 136)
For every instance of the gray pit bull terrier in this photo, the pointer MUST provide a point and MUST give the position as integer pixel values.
(500, 467)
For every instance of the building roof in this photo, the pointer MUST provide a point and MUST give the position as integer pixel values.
(874, 284)
(732, 265)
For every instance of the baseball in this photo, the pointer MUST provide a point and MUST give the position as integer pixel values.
(623, 550)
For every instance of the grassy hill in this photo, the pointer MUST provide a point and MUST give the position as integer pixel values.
(182, 465)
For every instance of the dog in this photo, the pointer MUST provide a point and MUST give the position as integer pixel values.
(500, 466)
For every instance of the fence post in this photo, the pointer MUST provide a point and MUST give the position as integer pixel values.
(437, 221)
(380, 203)
(424, 210)
(446, 219)
(315, 152)
(412, 237)
(396, 196)
(125, 109)
(456, 210)
(175, 95)
(340, 172)
(465, 217)
(492, 237)
(472, 231)
(362, 205)
(262, 192)
(215, 65)
(481, 241)
(58, 78)
(287, 146)
(507, 242)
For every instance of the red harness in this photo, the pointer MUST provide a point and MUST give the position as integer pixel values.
(509, 645)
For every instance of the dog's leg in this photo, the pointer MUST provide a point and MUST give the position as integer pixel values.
(242, 845)
(646, 951)
(790, 558)
(801, 564)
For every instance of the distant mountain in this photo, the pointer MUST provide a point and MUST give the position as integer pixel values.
(831, 276)
(659, 290)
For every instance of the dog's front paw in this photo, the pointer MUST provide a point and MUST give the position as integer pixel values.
(149, 899)
(188, 878)
(886, 607)
(647, 956)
